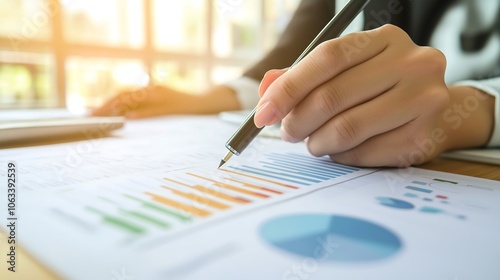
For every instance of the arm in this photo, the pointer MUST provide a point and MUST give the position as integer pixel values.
(157, 100)
(309, 18)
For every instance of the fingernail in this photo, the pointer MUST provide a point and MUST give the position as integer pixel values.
(266, 115)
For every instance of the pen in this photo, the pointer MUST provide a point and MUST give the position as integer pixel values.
(248, 131)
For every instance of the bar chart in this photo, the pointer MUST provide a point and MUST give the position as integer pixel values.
(173, 200)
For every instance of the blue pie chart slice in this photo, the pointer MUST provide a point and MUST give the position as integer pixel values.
(395, 203)
(331, 237)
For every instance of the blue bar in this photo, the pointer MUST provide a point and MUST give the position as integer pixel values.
(273, 167)
(427, 199)
(313, 162)
(432, 210)
(308, 166)
(412, 195)
(282, 174)
(338, 165)
(330, 162)
(418, 189)
(270, 176)
(419, 183)
(299, 167)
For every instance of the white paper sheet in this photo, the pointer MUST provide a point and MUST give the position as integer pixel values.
(149, 203)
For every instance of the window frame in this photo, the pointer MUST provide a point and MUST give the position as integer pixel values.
(61, 50)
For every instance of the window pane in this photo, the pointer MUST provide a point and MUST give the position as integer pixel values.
(25, 20)
(187, 77)
(277, 15)
(221, 74)
(180, 25)
(90, 82)
(104, 22)
(236, 28)
(26, 80)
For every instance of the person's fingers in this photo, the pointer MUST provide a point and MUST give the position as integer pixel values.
(269, 78)
(351, 88)
(112, 107)
(352, 127)
(122, 103)
(325, 62)
(146, 112)
(401, 147)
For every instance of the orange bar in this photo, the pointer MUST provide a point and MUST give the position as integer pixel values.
(233, 188)
(239, 200)
(236, 189)
(177, 182)
(181, 206)
(262, 179)
(254, 186)
(235, 199)
(200, 199)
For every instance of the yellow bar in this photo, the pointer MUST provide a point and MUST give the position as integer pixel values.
(255, 186)
(178, 205)
(208, 191)
(200, 199)
(233, 188)
(239, 200)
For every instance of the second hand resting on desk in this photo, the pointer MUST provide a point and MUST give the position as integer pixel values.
(248, 131)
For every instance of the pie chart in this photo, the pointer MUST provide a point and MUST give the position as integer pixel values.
(333, 238)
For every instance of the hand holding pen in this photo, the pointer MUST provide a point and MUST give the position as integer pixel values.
(372, 98)
(249, 130)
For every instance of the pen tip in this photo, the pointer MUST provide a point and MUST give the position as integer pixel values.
(225, 159)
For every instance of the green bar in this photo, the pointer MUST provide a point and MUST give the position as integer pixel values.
(118, 222)
(147, 218)
(123, 224)
(446, 181)
(161, 209)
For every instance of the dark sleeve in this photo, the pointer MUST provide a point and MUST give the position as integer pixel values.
(309, 18)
